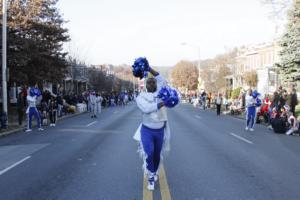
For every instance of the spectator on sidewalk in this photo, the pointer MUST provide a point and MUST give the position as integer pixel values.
(284, 114)
(293, 124)
(59, 105)
(264, 110)
(276, 100)
(93, 103)
(219, 103)
(242, 98)
(21, 106)
(225, 102)
(53, 106)
(209, 97)
(203, 97)
(278, 125)
(126, 98)
(44, 113)
(99, 100)
(292, 100)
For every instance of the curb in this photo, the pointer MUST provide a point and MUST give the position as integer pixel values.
(5, 133)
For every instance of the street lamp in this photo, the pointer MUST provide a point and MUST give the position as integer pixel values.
(4, 70)
(199, 61)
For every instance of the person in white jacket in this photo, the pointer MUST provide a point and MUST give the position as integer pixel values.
(293, 123)
(93, 103)
(99, 100)
(153, 131)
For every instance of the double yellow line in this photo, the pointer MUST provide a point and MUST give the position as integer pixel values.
(163, 183)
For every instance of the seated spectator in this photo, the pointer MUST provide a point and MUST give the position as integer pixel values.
(235, 107)
(270, 115)
(278, 125)
(284, 113)
(264, 111)
(293, 124)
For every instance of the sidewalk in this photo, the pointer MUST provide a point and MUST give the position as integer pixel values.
(243, 117)
(14, 127)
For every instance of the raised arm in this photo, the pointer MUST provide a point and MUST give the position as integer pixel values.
(153, 72)
(161, 81)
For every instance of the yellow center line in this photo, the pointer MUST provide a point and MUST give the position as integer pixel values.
(164, 187)
(147, 194)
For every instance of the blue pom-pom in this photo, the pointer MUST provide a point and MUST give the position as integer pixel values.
(31, 92)
(37, 92)
(140, 67)
(258, 102)
(34, 92)
(164, 93)
(169, 96)
(255, 94)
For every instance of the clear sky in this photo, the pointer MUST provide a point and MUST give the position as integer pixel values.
(117, 31)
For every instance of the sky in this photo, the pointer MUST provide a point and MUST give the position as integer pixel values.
(118, 31)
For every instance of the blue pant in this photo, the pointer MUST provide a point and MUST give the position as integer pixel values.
(33, 112)
(251, 116)
(152, 140)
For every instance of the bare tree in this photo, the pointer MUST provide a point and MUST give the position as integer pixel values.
(220, 83)
(185, 75)
(278, 7)
(278, 11)
(214, 71)
(251, 78)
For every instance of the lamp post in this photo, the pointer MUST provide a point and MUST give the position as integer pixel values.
(199, 61)
(4, 65)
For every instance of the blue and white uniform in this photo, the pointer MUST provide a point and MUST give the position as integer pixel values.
(252, 102)
(251, 111)
(32, 111)
(153, 134)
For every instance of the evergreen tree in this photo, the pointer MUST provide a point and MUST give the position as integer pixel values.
(35, 41)
(290, 53)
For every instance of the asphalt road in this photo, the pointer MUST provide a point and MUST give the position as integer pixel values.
(211, 157)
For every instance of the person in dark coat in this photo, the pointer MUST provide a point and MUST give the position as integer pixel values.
(21, 107)
(53, 106)
(292, 101)
(218, 103)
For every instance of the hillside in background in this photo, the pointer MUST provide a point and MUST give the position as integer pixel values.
(165, 71)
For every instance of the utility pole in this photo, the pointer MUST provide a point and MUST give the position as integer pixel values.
(4, 65)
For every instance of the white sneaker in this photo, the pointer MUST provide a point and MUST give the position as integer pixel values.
(28, 130)
(150, 185)
(246, 128)
(40, 129)
(151, 181)
(53, 124)
(156, 177)
(251, 129)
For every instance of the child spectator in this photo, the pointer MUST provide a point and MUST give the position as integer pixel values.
(293, 124)
(53, 106)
